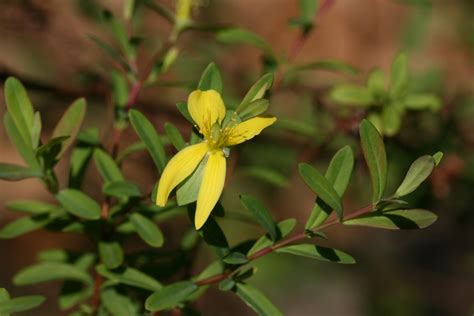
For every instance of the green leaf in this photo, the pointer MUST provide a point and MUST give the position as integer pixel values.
(284, 228)
(325, 64)
(150, 137)
(261, 214)
(20, 304)
(338, 174)
(81, 155)
(119, 33)
(392, 118)
(375, 157)
(398, 219)
(318, 252)
(170, 296)
(211, 79)
(133, 148)
(147, 230)
(399, 76)
(226, 284)
(20, 109)
(183, 109)
(418, 172)
(438, 157)
(321, 186)
(111, 254)
(422, 101)
(376, 82)
(24, 147)
(4, 295)
(28, 224)
(174, 136)
(351, 95)
(256, 92)
(109, 50)
(36, 130)
(117, 304)
(51, 271)
(214, 268)
(79, 204)
(11, 172)
(213, 235)
(130, 276)
(119, 88)
(30, 206)
(256, 300)
(307, 10)
(253, 109)
(241, 36)
(70, 123)
(107, 167)
(235, 258)
(121, 189)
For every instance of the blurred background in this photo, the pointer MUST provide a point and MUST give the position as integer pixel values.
(428, 272)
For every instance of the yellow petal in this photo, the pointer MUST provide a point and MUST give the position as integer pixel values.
(178, 169)
(211, 187)
(206, 108)
(248, 129)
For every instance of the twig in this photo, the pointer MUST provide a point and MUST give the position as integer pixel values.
(303, 235)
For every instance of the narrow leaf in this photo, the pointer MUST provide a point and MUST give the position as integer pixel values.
(174, 136)
(398, 219)
(117, 304)
(70, 123)
(211, 79)
(351, 95)
(256, 300)
(28, 224)
(24, 148)
(261, 214)
(253, 109)
(256, 92)
(79, 204)
(130, 276)
(107, 167)
(111, 254)
(12, 172)
(235, 258)
(241, 36)
(284, 228)
(399, 76)
(338, 174)
(51, 271)
(30, 206)
(121, 189)
(170, 296)
(150, 137)
(318, 252)
(419, 171)
(147, 230)
(321, 186)
(20, 109)
(375, 157)
(20, 304)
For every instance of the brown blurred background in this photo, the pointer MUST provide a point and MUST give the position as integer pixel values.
(427, 272)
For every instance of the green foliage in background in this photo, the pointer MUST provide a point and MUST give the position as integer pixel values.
(115, 280)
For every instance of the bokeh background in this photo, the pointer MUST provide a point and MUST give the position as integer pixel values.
(428, 272)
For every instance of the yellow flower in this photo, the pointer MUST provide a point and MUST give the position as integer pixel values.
(208, 112)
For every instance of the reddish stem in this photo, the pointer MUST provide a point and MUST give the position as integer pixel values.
(303, 235)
